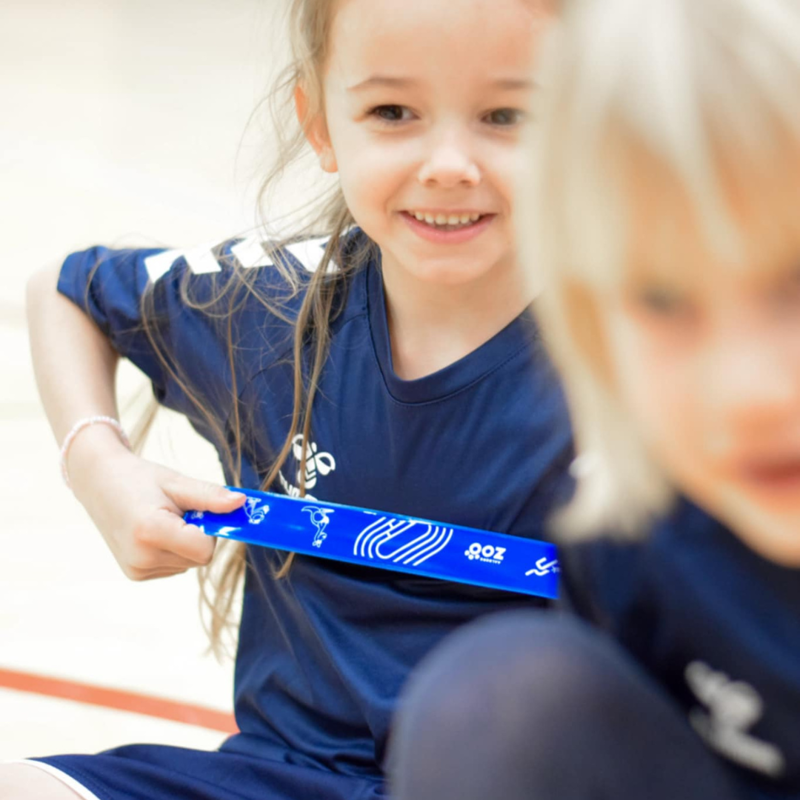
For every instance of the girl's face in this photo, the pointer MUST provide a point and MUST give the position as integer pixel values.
(707, 358)
(425, 101)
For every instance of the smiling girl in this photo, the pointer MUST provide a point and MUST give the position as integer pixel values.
(384, 362)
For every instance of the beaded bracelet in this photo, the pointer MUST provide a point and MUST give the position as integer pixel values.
(77, 428)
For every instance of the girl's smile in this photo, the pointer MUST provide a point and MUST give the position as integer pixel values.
(447, 227)
(775, 480)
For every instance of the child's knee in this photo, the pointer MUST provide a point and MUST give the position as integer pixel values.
(515, 673)
(26, 782)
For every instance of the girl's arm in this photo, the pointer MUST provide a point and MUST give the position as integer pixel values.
(136, 505)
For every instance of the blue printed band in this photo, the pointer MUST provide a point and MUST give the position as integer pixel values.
(388, 541)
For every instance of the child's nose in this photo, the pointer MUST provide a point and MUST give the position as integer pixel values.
(750, 385)
(450, 164)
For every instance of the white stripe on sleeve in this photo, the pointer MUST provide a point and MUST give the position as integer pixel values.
(250, 253)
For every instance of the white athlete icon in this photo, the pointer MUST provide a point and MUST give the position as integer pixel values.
(544, 567)
(255, 512)
(320, 520)
(322, 463)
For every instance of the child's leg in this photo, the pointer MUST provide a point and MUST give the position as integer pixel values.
(526, 706)
(26, 782)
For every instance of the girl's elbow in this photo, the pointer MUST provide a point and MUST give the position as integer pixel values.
(43, 283)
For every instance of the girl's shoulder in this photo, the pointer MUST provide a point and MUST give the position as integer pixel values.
(240, 278)
(258, 263)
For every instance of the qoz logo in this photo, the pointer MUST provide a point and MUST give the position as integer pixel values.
(320, 520)
(487, 554)
(544, 567)
(255, 512)
(322, 463)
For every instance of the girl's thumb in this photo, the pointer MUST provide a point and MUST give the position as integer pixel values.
(192, 495)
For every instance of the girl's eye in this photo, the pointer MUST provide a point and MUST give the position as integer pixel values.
(793, 281)
(391, 113)
(662, 302)
(787, 291)
(505, 117)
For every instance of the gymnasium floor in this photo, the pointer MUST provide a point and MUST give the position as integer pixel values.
(121, 123)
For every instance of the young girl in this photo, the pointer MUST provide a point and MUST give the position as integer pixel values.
(387, 365)
(663, 211)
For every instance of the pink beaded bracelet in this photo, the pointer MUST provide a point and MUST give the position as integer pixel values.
(77, 428)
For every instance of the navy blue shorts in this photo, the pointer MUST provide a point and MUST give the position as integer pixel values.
(157, 772)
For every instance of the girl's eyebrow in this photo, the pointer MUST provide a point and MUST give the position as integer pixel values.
(513, 83)
(400, 83)
(383, 80)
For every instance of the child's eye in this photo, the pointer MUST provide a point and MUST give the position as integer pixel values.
(392, 113)
(662, 302)
(787, 290)
(504, 117)
(793, 281)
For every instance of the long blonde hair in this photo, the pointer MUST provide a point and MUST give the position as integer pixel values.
(323, 290)
(696, 89)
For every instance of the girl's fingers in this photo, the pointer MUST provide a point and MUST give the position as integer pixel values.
(192, 495)
(185, 545)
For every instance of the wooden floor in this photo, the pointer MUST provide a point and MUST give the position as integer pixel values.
(121, 122)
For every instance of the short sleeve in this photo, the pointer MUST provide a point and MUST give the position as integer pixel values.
(178, 317)
(109, 285)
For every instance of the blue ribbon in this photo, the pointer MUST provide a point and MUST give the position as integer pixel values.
(388, 541)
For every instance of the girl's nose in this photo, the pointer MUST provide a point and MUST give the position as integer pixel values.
(449, 164)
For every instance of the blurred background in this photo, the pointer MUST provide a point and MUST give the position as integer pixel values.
(122, 123)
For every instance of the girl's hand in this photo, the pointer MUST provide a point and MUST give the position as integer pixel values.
(138, 506)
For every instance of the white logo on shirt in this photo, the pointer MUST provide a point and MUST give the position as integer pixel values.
(322, 463)
(316, 464)
(733, 707)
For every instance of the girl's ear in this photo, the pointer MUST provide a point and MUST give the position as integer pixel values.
(315, 130)
(586, 327)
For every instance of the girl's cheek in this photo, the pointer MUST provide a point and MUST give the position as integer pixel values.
(654, 378)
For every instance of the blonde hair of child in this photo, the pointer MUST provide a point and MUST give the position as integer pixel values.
(687, 91)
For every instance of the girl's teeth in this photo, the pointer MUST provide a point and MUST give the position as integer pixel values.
(444, 219)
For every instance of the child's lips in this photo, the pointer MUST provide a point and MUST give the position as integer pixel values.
(775, 476)
(448, 234)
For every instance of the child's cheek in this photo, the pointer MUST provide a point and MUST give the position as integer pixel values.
(655, 379)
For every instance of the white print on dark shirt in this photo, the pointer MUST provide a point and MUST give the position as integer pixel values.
(322, 463)
(733, 708)
(316, 464)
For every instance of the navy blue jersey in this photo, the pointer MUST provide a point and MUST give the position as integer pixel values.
(717, 625)
(484, 443)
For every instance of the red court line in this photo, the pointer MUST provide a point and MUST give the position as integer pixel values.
(122, 701)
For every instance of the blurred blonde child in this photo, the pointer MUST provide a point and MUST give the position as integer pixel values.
(662, 225)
